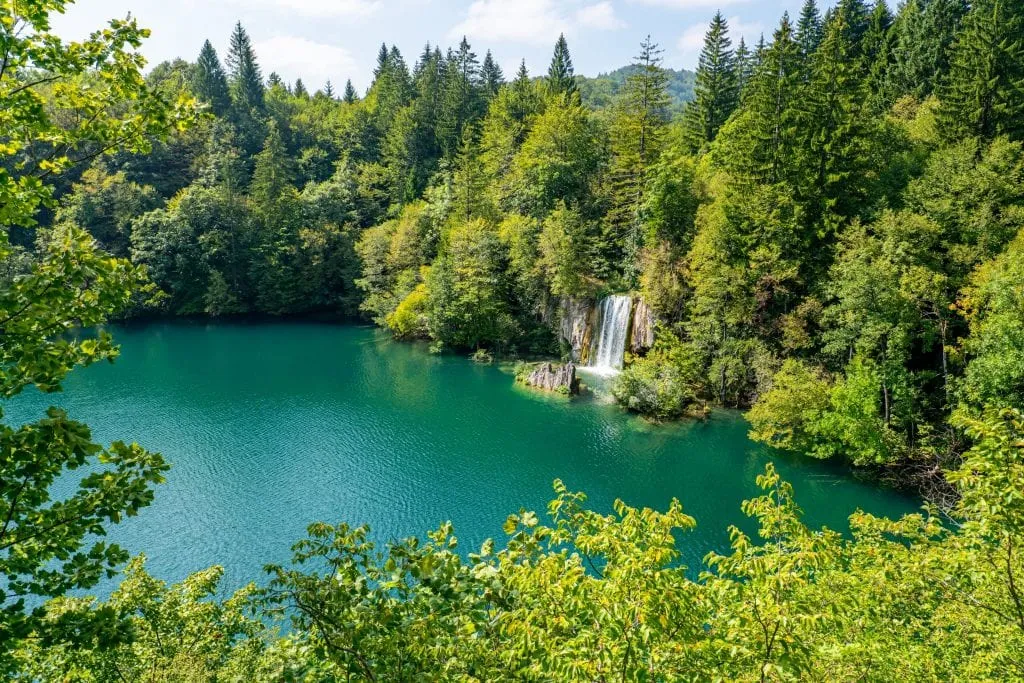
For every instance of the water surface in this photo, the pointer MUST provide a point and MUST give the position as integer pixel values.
(272, 426)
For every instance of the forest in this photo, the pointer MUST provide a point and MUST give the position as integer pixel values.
(828, 226)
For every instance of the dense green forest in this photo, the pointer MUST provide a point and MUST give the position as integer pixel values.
(830, 235)
(827, 233)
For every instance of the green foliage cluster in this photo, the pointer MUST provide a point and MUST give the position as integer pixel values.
(844, 196)
(599, 597)
(842, 251)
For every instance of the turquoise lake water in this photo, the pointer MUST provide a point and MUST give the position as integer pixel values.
(272, 426)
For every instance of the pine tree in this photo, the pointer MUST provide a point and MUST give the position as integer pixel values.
(491, 75)
(637, 136)
(761, 146)
(329, 89)
(715, 90)
(561, 76)
(299, 89)
(877, 56)
(272, 175)
(744, 60)
(246, 81)
(274, 80)
(833, 110)
(984, 94)
(350, 96)
(856, 17)
(922, 38)
(809, 28)
(211, 83)
(382, 61)
(460, 101)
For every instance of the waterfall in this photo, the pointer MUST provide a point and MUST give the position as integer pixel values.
(610, 346)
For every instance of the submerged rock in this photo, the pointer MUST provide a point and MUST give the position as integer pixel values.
(558, 378)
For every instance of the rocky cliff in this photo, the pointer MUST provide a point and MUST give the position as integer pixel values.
(576, 325)
(641, 334)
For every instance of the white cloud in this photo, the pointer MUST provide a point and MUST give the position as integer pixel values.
(599, 16)
(688, 4)
(536, 22)
(691, 41)
(293, 57)
(321, 8)
(526, 21)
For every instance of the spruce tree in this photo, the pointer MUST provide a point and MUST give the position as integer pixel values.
(329, 89)
(491, 75)
(762, 144)
(832, 119)
(561, 76)
(922, 39)
(983, 96)
(637, 136)
(299, 89)
(744, 60)
(382, 61)
(809, 28)
(274, 80)
(715, 90)
(856, 17)
(460, 101)
(246, 81)
(350, 96)
(211, 83)
(877, 56)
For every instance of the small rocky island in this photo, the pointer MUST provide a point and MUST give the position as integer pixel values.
(551, 377)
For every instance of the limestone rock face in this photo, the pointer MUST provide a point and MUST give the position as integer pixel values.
(560, 378)
(641, 336)
(576, 326)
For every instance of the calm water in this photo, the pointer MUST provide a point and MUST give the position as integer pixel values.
(272, 426)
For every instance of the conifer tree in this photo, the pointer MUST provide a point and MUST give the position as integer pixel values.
(350, 96)
(299, 89)
(637, 136)
(246, 81)
(809, 28)
(715, 90)
(877, 56)
(272, 174)
(460, 98)
(561, 76)
(491, 75)
(923, 35)
(744, 60)
(762, 144)
(382, 61)
(833, 110)
(984, 94)
(329, 89)
(274, 80)
(856, 16)
(211, 83)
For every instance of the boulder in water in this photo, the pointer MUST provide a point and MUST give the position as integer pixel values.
(549, 377)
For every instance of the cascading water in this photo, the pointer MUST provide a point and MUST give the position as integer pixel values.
(610, 347)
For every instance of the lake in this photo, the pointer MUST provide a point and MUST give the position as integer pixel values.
(271, 426)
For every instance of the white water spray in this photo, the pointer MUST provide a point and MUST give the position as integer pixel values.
(610, 349)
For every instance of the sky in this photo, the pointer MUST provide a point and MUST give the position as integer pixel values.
(319, 40)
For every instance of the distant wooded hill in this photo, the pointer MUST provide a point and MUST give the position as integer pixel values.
(598, 92)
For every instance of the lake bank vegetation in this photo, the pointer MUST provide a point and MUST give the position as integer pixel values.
(830, 234)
